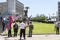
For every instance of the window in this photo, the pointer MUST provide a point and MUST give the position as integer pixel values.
(59, 13)
(59, 6)
(59, 19)
(58, 3)
(59, 9)
(0, 13)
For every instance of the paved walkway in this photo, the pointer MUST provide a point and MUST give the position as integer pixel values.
(35, 37)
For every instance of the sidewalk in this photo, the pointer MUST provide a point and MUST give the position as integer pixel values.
(35, 37)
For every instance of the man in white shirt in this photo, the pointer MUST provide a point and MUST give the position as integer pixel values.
(22, 28)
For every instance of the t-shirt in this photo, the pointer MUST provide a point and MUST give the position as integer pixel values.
(56, 24)
(22, 25)
(15, 26)
(31, 27)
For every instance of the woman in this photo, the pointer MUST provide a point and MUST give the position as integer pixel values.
(9, 26)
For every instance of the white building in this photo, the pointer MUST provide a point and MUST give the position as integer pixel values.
(12, 7)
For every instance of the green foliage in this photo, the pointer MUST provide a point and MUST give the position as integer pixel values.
(19, 19)
(39, 18)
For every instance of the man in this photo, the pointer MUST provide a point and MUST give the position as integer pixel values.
(15, 29)
(30, 29)
(3, 24)
(22, 28)
(57, 27)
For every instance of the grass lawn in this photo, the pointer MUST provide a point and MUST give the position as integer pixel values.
(43, 28)
(39, 28)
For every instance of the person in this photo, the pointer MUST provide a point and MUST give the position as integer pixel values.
(30, 29)
(9, 29)
(57, 27)
(22, 28)
(10, 21)
(3, 24)
(15, 26)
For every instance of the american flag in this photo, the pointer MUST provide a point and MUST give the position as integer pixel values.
(15, 17)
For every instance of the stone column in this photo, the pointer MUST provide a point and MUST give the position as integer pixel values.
(0, 24)
(11, 6)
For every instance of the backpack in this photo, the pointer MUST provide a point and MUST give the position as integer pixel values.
(15, 26)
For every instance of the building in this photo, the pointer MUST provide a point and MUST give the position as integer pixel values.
(58, 11)
(11, 7)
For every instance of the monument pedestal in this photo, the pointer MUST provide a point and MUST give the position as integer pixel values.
(0, 26)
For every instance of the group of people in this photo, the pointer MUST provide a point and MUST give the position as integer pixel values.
(22, 27)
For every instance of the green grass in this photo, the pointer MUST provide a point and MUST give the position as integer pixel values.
(43, 28)
(39, 28)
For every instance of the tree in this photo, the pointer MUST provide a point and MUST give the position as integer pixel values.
(40, 18)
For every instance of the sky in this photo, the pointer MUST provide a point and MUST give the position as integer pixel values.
(38, 7)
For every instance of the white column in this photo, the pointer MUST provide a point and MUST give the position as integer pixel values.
(11, 6)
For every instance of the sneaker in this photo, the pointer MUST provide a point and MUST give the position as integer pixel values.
(29, 36)
(19, 39)
(24, 39)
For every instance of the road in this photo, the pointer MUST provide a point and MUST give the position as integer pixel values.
(34, 37)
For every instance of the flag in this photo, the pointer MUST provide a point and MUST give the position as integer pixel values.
(15, 17)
